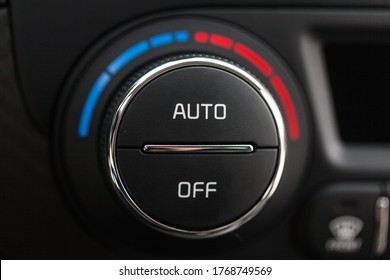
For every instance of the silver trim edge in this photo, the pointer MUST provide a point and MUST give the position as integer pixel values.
(382, 225)
(170, 66)
(197, 149)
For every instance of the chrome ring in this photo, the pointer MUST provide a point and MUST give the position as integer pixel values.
(182, 63)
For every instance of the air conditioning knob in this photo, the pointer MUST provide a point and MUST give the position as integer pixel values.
(195, 145)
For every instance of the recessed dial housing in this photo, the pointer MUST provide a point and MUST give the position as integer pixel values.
(196, 146)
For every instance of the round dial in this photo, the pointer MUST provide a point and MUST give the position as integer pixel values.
(196, 146)
(193, 126)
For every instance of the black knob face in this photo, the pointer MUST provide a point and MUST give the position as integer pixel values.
(210, 137)
(196, 146)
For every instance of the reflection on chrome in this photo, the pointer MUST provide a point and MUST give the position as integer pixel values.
(198, 149)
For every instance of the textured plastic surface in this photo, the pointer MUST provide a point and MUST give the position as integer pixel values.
(340, 221)
(47, 46)
(34, 220)
(54, 57)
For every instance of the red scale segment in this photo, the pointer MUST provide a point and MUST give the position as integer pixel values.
(288, 106)
(254, 58)
(264, 67)
(201, 37)
(221, 41)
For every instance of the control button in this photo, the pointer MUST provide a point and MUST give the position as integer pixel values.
(340, 221)
(197, 104)
(196, 146)
(197, 191)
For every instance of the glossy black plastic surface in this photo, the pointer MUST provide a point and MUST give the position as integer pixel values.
(196, 192)
(197, 105)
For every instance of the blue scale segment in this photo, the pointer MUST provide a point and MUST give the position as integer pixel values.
(182, 36)
(116, 65)
(127, 56)
(161, 40)
(90, 103)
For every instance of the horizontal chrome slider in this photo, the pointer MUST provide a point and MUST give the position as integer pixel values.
(197, 149)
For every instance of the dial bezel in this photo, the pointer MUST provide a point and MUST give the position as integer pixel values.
(137, 86)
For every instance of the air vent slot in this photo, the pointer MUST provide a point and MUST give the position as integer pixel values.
(359, 74)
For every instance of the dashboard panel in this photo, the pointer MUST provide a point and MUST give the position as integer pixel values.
(216, 130)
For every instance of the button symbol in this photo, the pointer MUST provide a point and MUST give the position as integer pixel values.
(345, 230)
(188, 190)
(195, 112)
